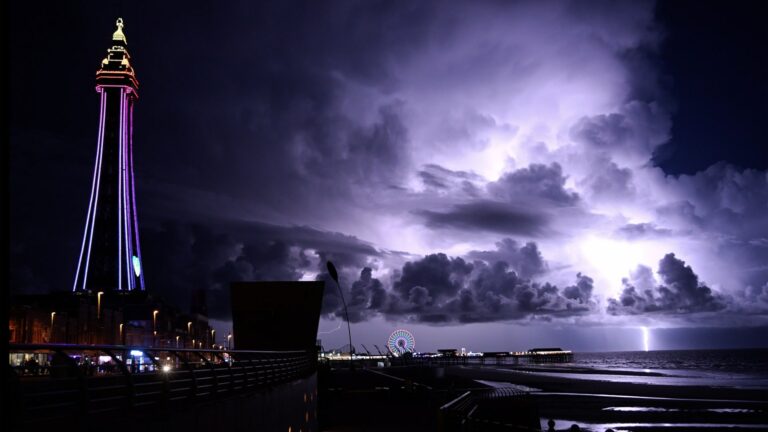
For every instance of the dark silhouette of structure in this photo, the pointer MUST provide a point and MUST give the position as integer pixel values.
(276, 315)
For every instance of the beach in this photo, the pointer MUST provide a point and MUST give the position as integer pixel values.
(599, 399)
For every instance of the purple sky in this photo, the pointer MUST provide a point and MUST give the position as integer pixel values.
(486, 174)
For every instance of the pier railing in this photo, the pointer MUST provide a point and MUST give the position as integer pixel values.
(495, 409)
(59, 381)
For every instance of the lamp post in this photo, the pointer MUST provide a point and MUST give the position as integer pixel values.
(154, 321)
(154, 326)
(189, 333)
(177, 341)
(122, 341)
(213, 335)
(229, 339)
(98, 304)
(335, 276)
(53, 316)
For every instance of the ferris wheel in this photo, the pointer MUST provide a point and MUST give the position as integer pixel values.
(400, 342)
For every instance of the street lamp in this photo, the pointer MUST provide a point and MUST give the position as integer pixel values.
(53, 315)
(121, 334)
(213, 335)
(98, 304)
(154, 320)
(189, 333)
(177, 341)
(229, 339)
(154, 326)
(335, 277)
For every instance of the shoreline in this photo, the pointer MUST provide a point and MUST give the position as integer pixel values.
(549, 383)
(598, 405)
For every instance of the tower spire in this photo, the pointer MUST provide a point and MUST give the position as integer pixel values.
(116, 67)
(110, 254)
(118, 35)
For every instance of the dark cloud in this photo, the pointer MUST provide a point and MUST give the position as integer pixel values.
(606, 181)
(582, 291)
(536, 183)
(525, 259)
(642, 230)
(679, 292)
(182, 257)
(440, 275)
(637, 129)
(432, 180)
(722, 199)
(602, 131)
(437, 177)
(365, 297)
(343, 249)
(728, 205)
(756, 296)
(489, 293)
(488, 216)
(438, 289)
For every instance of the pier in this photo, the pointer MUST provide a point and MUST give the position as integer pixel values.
(452, 357)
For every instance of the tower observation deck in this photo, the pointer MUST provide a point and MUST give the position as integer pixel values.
(110, 255)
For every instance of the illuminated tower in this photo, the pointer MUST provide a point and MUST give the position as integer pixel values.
(110, 256)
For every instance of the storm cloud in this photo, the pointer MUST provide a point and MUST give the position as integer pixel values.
(679, 291)
(436, 152)
(490, 216)
(439, 289)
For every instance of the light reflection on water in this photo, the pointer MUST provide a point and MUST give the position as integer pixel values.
(561, 424)
(657, 409)
(639, 409)
(725, 362)
(703, 379)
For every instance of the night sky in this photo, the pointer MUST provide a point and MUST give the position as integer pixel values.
(487, 174)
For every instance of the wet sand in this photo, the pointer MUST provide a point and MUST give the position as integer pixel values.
(598, 404)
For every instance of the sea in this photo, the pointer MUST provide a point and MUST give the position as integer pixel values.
(745, 369)
(727, 361)
(735, 368)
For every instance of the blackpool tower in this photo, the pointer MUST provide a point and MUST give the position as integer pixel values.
(110, 255)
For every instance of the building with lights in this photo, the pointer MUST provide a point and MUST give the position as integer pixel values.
(108, 303)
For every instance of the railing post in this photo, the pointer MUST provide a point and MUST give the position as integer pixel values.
(213, 373)
(131, 396)
(166, 380)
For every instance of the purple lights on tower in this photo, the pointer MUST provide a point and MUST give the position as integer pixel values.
(110, 255)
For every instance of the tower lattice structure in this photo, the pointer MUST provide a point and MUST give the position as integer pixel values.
(110, 254)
